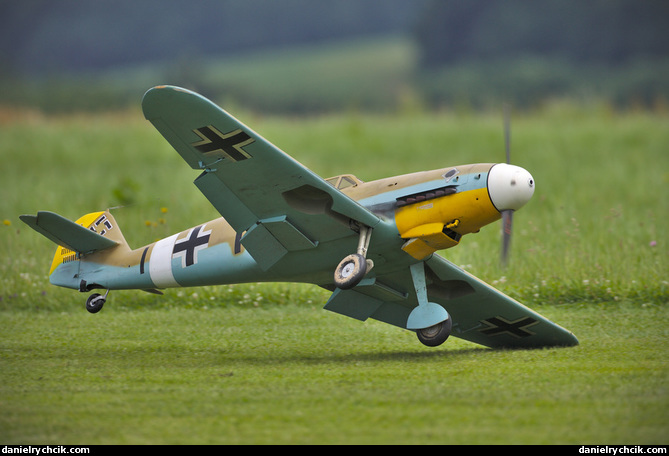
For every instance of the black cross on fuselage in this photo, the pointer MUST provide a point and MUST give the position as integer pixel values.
(230, 144)
(189, 246)
(499, 325)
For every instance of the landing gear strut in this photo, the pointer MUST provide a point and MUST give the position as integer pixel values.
(431, 321)
(95, 302)
(353, 268)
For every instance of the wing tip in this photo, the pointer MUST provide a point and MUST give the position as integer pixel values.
(157, 99)
(166, 89)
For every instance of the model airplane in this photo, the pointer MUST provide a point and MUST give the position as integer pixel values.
(371, 243)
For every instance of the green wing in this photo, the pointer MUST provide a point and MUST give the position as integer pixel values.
(487, 316)
(279, 204)
(480, 313)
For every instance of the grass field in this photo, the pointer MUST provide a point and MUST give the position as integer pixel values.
(263, 364)
(296, 374)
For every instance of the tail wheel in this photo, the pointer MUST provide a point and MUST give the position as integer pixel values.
(350, 271)
(95, 302)
(435, 335)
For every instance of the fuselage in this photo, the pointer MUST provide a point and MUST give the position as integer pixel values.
(431, 211)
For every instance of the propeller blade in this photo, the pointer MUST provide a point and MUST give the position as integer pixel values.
(507, 216)
(507, 223)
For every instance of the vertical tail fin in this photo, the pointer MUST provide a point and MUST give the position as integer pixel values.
(104, 224)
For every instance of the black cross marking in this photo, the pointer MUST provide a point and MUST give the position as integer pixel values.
(500, 325)
(230, 145)
(188, 247)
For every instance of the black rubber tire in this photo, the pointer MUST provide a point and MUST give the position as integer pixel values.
(435, 335)
(350, 271)
(93, 304)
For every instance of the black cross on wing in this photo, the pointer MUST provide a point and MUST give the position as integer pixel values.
(500, 325)
(230, 145)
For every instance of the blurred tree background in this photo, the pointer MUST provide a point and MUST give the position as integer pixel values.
(43, 35)
(613, 32)
(305, 56)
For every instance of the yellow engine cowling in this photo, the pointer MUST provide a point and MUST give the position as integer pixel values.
(439, 223)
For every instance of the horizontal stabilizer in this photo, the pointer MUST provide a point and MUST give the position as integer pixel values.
(66, 233)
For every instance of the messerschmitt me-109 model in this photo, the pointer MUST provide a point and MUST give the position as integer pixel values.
(372, 244)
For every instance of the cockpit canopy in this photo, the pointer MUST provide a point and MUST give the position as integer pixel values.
(343, 181)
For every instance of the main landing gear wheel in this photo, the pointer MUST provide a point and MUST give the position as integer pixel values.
(435, 335)
(353, 268)
(350, 271)
(95, 302)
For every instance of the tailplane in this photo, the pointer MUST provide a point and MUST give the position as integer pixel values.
(91, 233)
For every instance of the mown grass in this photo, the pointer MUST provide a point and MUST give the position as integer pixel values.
(261, 363)
(296, 375)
